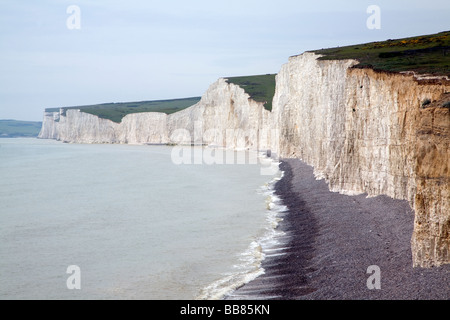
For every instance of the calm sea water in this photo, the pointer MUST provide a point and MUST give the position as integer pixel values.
(137, 225)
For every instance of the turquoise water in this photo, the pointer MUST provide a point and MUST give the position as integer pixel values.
(136, 224)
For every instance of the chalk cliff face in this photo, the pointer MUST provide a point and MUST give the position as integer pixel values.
(139, 128)
(363, 131)
(225, 116)
(366, 132)
(79, 127)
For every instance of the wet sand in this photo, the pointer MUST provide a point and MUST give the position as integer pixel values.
(329, 242)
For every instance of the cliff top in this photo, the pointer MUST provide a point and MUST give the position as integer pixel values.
(427, 54)
(116, 111)
(260, 88)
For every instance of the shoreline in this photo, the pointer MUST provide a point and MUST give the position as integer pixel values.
(249, 267)
(329, 240)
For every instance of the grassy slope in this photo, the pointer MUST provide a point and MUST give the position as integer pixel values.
(261, 88)
(13, 128)
(116, 111)
(423, 54)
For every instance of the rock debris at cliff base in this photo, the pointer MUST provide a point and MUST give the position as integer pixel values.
(334, 239)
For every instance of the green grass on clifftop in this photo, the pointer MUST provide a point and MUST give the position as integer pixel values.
(116, 111)
(260, 88)
(16, 129)
(428, 54)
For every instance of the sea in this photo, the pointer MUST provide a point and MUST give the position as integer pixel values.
(91, 221)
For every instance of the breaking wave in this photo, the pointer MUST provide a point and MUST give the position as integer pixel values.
(249, 266)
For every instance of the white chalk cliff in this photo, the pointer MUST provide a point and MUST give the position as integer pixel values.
(225, 116)
(363, 131)
(79, 127)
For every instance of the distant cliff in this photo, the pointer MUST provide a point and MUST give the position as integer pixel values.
(225, 116)
(363, 131)
(79, 127)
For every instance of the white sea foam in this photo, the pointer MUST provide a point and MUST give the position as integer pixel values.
(250, 261)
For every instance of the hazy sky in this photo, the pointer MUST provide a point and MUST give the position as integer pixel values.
(146, 50)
